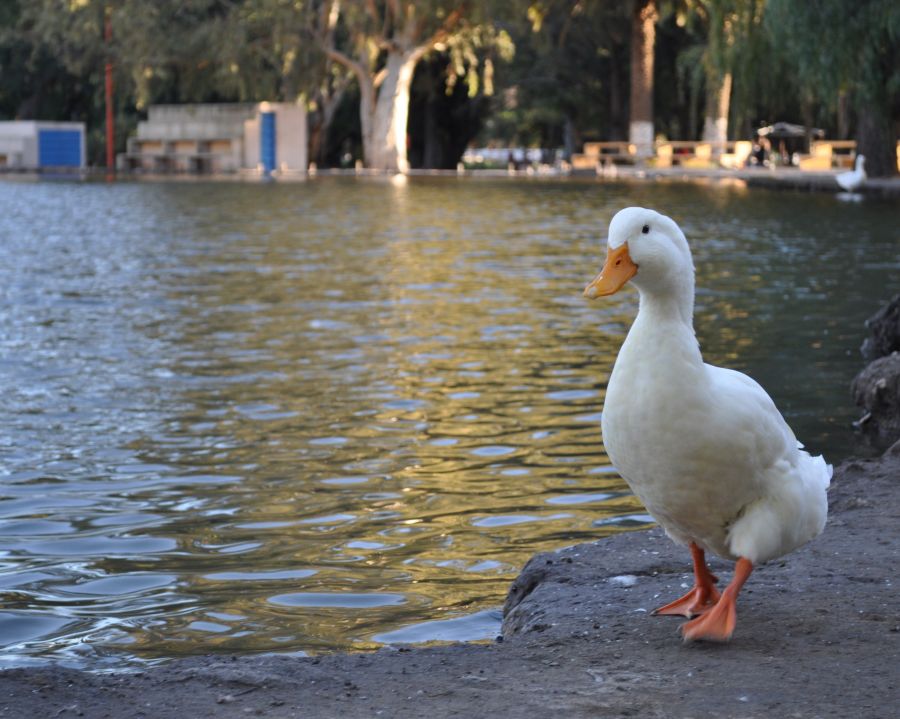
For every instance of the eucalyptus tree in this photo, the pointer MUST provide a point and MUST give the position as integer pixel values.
(382, 42)
(327, 80)
(843, 49)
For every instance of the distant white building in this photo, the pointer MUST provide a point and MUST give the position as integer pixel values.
(219, 138)
(37, 145)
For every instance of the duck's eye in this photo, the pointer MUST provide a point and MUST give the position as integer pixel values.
(618, 262)
(645, 229)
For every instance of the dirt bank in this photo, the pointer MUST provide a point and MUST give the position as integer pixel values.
(818, 636)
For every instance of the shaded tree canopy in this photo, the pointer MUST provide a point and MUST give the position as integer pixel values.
(859, 62)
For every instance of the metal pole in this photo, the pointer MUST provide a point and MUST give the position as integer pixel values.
(110, 120)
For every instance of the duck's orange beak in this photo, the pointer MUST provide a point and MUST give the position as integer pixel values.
(616, 272)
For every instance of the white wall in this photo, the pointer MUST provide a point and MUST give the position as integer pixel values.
(251, 158)
(290, 137)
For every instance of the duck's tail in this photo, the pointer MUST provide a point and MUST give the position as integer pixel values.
(792, 513)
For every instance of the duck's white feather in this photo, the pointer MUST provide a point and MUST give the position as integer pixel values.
(704, 448)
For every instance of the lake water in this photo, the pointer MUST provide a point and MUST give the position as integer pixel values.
(327, 415)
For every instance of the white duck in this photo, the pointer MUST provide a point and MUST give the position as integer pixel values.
(704, 448)
(853, 179)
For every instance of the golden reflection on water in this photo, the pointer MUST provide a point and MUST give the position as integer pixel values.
(309, 416)
(410, 408)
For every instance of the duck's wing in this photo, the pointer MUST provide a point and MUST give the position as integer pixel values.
(791, 505)
(744, 407)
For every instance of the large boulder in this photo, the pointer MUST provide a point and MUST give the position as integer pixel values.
(877, 390)
(885, 328)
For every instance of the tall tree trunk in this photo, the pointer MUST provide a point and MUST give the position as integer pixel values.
(843, 115)
(570, 137)
(392, 113)
(876, 140)
(643, 39)
(616, 84)
(718, 101)
(366, 117)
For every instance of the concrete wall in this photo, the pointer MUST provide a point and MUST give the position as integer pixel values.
(19, 142)
(195, 122)
(225, 137)
(251, 157)
(290, 137)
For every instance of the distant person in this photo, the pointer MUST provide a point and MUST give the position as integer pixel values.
(758, 156)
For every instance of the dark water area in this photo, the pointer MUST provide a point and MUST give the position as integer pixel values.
(333, 414)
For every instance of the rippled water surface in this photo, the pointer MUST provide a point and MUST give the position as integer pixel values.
(333, 414)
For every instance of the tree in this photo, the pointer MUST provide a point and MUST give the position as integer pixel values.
(328, 83)
(859, 61)
(384, 43)
(718, 63)
(35, 83)
(572, 81)
(727, 31)
(643, 40)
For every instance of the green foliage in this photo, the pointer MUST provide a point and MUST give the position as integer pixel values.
(849, 50)
(566, 60)
(838, 46)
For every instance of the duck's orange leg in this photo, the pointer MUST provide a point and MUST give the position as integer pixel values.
(717, 625)
(702, 597)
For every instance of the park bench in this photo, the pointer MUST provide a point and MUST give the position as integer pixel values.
(736, 154)
(685, 153)
(597, 154)
(826, 154)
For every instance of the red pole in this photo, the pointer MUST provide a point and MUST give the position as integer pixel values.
(110, 121)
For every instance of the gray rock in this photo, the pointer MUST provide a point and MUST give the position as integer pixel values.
(885, 328)
(877, 391)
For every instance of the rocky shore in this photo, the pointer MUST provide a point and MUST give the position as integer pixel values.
(818, 636)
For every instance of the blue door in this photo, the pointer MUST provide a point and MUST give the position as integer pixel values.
(267, 141)
(59, 148)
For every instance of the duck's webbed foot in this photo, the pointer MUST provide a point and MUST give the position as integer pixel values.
(704, 594)
(717, 625)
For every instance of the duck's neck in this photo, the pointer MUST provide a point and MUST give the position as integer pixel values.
(669, 305)
(665, 322)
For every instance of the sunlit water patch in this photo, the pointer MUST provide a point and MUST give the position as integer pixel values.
(300, 418)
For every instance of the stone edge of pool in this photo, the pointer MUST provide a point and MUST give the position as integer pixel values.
(818, 635)
(778, 179)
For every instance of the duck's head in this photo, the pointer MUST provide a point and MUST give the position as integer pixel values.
(647, 248)
(860, 163)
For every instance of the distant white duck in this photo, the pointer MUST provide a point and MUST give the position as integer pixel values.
(853, 179)
(704, 448)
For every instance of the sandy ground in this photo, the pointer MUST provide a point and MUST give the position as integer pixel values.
(818, 636)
